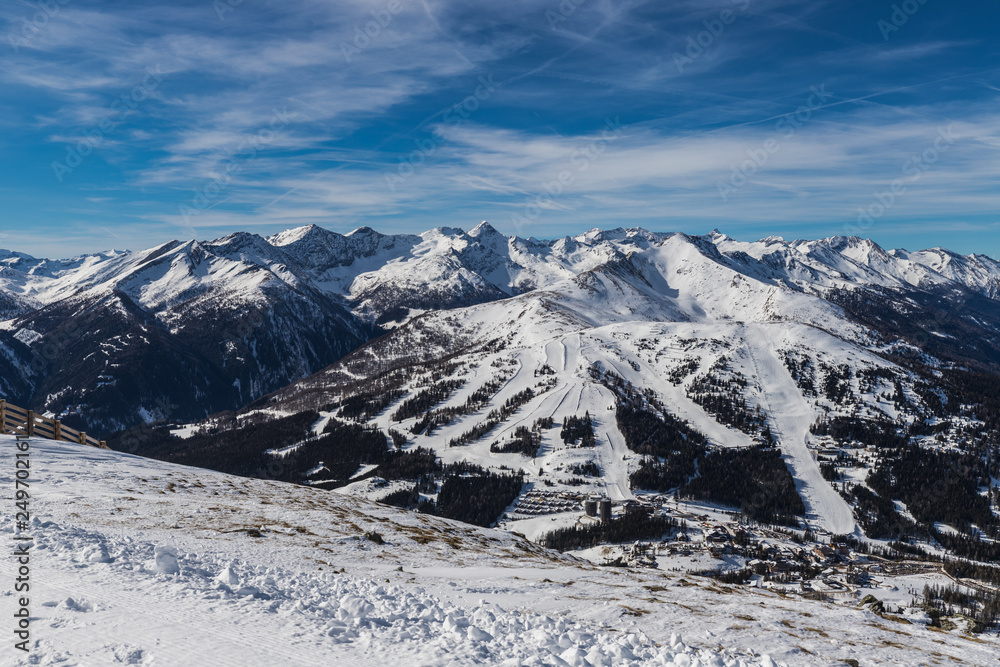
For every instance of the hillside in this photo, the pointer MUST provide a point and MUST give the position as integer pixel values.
(141, 562)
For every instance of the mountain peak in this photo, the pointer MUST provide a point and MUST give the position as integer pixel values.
(308, 235)
(290, 236)
(238, 241)
(10, 254)
(484, 229)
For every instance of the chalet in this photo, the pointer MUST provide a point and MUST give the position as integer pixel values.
(717, 536)
(779, 567)
(823, 553)
(858, 577)
(633, 507)
(724, 550)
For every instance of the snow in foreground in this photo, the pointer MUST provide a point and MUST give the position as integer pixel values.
(144, 563)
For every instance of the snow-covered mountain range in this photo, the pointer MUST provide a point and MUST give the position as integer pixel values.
(683, 319)
(187, 329)
(626, 362)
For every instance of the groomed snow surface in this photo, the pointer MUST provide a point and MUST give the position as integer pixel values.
(144, 563)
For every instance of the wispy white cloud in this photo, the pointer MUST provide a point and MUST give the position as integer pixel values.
(824, 172)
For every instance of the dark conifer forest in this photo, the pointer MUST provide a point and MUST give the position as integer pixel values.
(478, 498)
(755, 479)
(627, 528)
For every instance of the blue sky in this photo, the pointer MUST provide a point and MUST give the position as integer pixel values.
(127, 124)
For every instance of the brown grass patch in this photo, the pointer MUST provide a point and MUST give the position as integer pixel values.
(632, 611)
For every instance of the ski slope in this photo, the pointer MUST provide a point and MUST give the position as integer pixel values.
(790, 417)
(612, 321)
(572, 354)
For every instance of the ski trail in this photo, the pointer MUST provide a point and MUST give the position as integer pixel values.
(680, 405)
(556, 356)
(613, 459)
(566, 390)
(790, 424)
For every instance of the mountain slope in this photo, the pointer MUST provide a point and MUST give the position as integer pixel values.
(149, 563)
(180, 331)
(676, 328)
(244, 315)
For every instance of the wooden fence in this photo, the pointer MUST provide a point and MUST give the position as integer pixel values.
(15, 420)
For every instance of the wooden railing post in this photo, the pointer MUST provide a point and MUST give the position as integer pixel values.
(31, 422)
(57, 429)
(3, 416)
(83, 438)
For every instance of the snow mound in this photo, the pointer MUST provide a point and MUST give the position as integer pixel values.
(97, 554)
(228, 577)
(165, 560)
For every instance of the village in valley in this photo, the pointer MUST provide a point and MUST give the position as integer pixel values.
(713, 541)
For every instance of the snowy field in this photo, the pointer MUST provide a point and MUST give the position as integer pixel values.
(139, 562)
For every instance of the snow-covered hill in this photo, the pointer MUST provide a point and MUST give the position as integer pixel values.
(140, 562)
